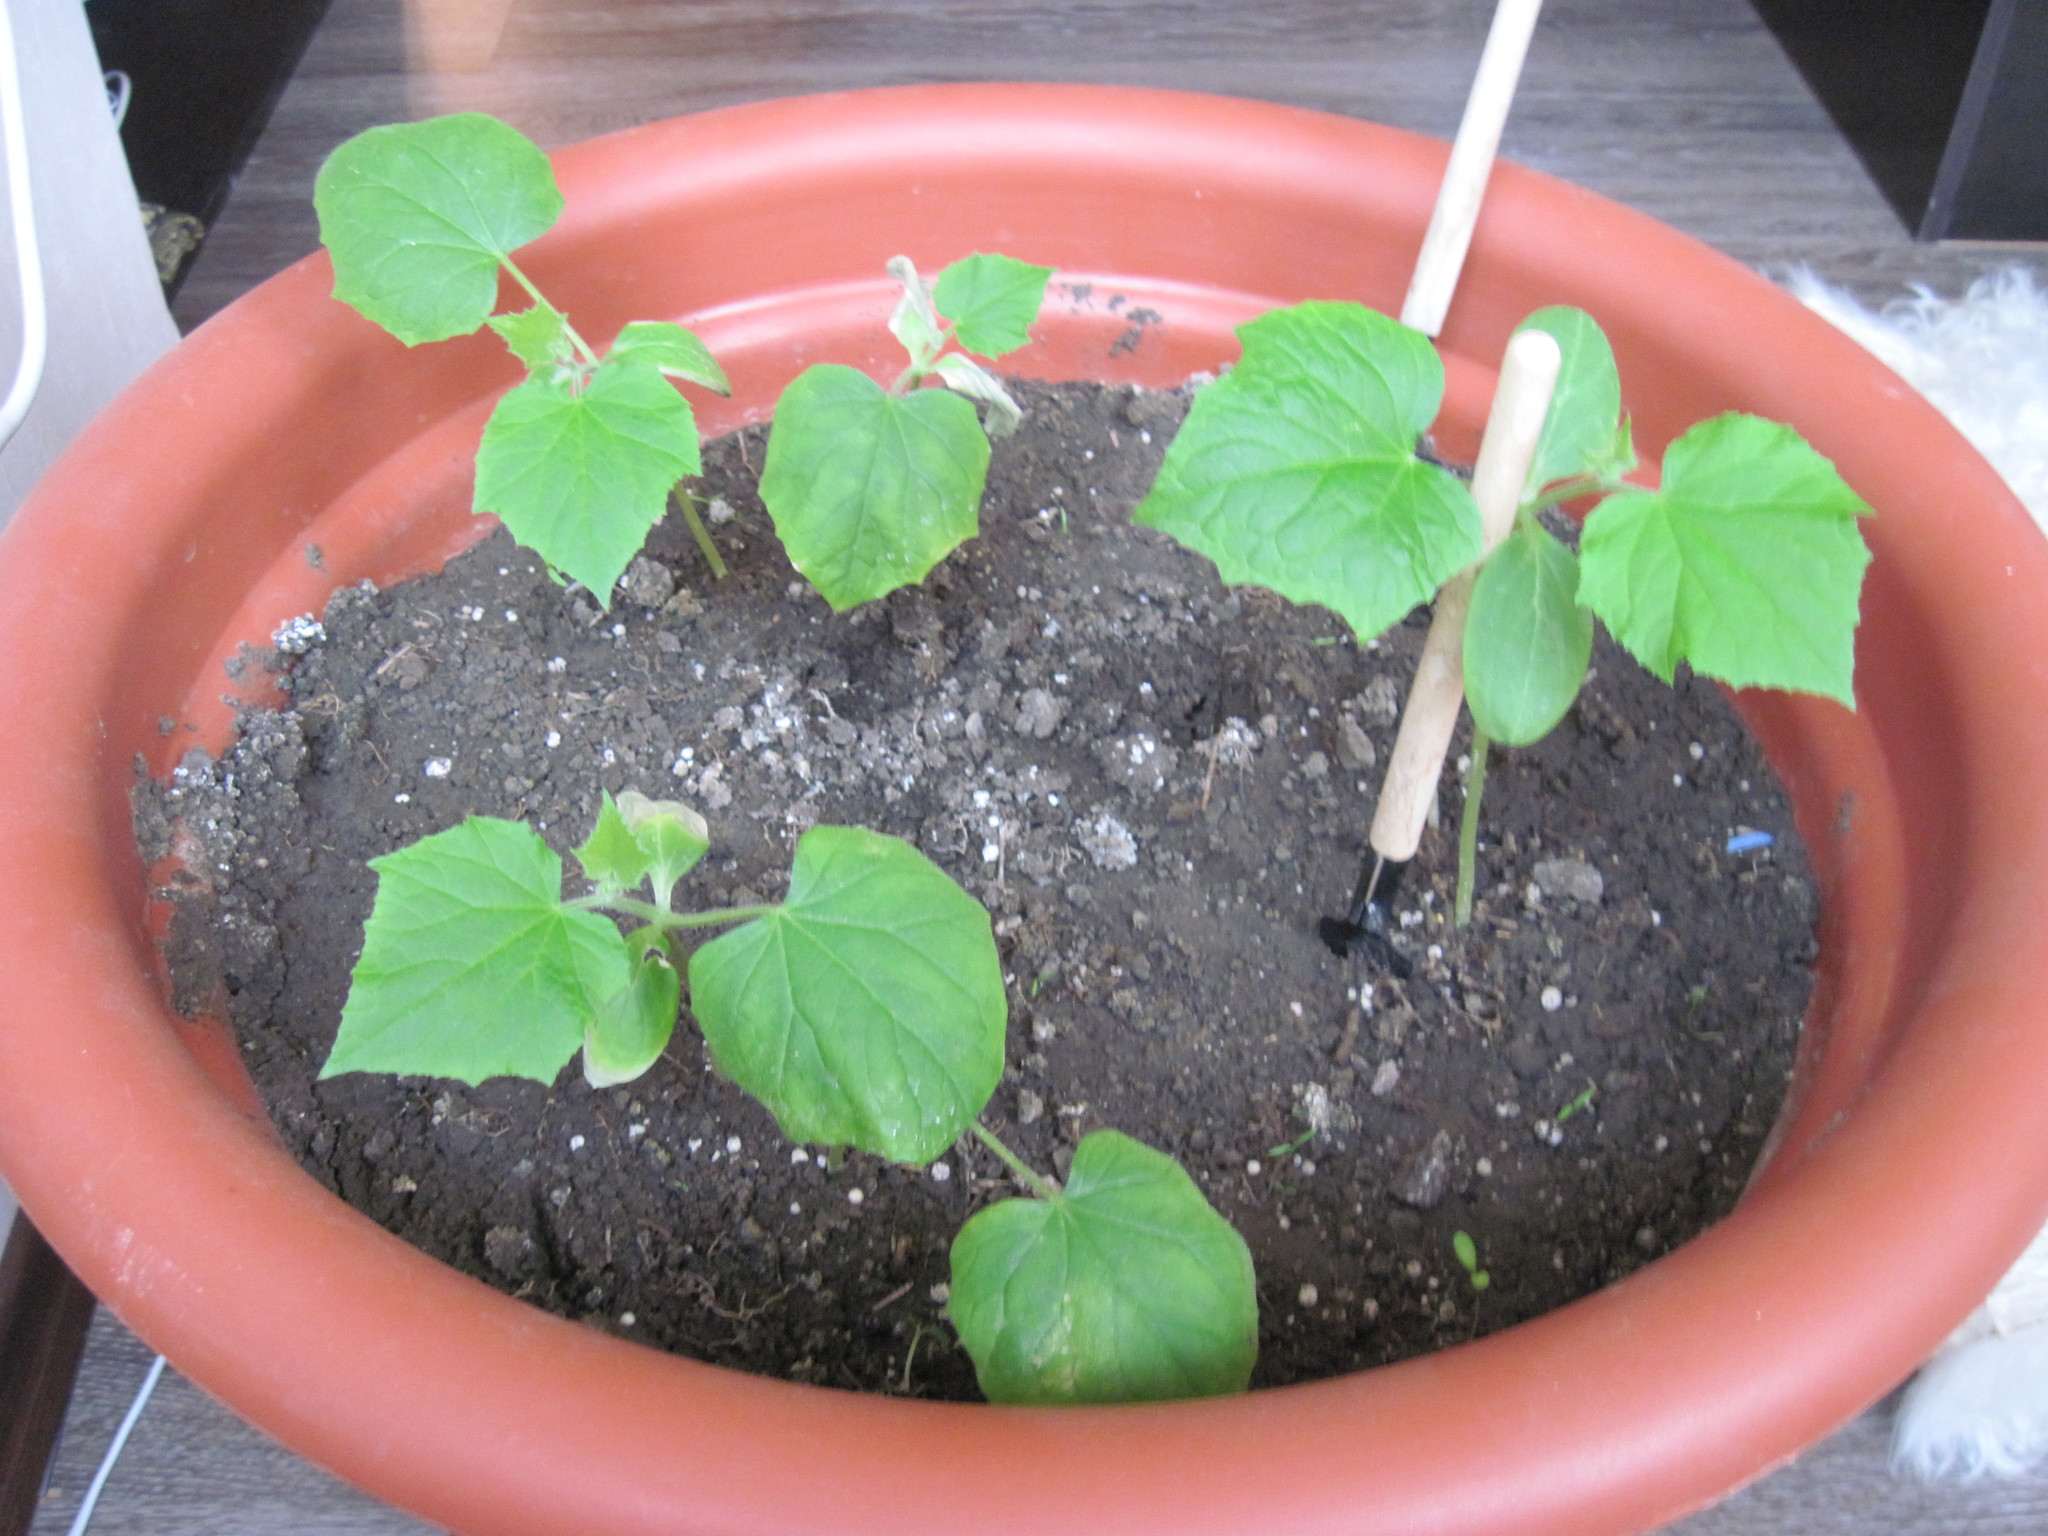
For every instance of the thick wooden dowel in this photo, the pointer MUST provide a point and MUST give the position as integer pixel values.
(1528, 375)
(1464, 186)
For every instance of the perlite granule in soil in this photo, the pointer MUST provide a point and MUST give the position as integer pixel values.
(1156, 785)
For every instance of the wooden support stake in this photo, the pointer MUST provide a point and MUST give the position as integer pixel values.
(1457, 202)
(1528, 375)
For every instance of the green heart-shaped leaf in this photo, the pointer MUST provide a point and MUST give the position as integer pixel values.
(1297, 471)
(1126, 1287)
(1527, 640)
(670, 833)
(870, 490)
(611, 856)
(1581, 434)
(867, 1010)
(417, 217)
(538, 337)
(991, 301)
(1747, 563)
(628, 1034)
(674, 350)
(472, 967)
(579, 478)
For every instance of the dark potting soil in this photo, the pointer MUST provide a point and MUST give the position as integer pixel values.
(1156, 785)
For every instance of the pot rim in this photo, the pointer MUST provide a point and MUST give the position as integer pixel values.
(1917, 1153)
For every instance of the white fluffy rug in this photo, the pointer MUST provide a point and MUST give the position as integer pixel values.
(1982, 359)
(1979, 1408)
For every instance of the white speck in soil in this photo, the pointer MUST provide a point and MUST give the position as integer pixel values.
(733, 1144)
(1552, 999)
(575, 1143)
(941, 1172)
(401, 798)
(438, 767)
(855, 1196)
(1307, 1296)
(1386, 1078)
(1253, 1167)
(799, 1155)
(1484, 1167)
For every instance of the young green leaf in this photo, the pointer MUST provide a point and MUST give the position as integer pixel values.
(1125, 1287)
(915, 322)
(991, 301)
(472, 967)
(670, 833)
(417, 217)
(611, 856)
(1466, 1250)
(538, 337)
(867, 1009)
(1580, 430)
(870, 490)
(628, 1034)
(967, 377)
(1747, 563)
(675, 351)
(1297, 471)
(579, 478)
(1527, 640)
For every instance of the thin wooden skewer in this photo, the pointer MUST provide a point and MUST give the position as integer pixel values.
(1416, 763)
(1528, 375)
(1449, 235)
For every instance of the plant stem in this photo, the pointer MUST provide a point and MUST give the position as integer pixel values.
(519, 277)
(701, 534)
(1039, 1185)
(631, 906)
(1468, 825)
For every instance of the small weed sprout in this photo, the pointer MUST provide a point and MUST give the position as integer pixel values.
(1467, 1253)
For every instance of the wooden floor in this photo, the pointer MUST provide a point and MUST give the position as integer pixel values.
(1682, 108)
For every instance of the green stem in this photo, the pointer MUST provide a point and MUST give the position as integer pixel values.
(1037, 1183)
(701, 534)
(631, 906)
(1468, 825)
(526, 282)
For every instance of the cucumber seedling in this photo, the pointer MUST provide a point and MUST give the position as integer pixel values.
(1299, 471)
(578, 461)
(867, 1009)
(872, 487)
(868, 487)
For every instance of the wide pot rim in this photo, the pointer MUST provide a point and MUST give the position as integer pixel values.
(1916, 1156)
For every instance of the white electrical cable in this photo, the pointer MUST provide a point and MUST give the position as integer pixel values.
(35, 315)
(99, 1478)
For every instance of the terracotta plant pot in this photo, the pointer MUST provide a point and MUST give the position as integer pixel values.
(1909, 1170)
